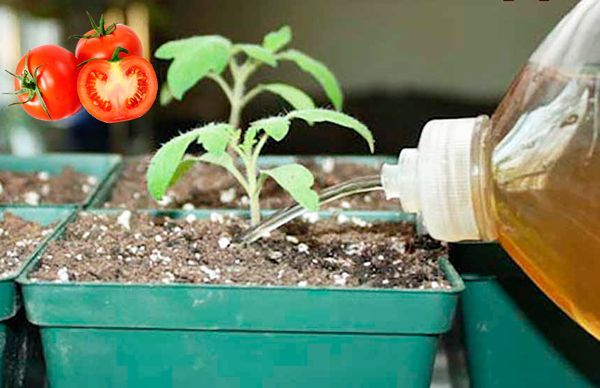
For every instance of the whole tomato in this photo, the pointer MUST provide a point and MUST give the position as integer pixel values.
(118, 89)
(101, 41)
(46, 83)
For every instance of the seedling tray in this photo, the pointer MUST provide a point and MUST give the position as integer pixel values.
(44, 216)
(268, 160)
(16, 342)
(156, 335)
(100, 166)
(514, 335)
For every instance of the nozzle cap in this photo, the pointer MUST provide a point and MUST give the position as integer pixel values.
(400, 180)
(444, 178)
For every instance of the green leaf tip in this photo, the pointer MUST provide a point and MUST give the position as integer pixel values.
(297, 180)
(166, 97)
(335, 117)
(193, 58)
(258, 53)
(276, 40)
(320, 73)
(276, 127)
(294, 96)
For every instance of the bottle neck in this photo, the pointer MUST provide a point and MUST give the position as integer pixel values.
(482, 183)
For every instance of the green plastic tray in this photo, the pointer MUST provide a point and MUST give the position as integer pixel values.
(268, 160)
(514, 335)
(19, 361)
(9, 301)
(177, 335)
(100, 166)
(4, 338)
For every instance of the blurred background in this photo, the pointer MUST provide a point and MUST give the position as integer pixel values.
(400, 63)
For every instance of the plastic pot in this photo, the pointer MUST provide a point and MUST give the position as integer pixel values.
(182, 335)
(18, 362)
(513, 334)
(105, 193)
(100, 166)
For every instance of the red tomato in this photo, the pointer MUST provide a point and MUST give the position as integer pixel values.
(46, 83)
(117, 90)
(101, 42)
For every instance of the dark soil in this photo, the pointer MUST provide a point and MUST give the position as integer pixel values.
(207, 186)
(39, 188)
(337, 252)
(18, 240)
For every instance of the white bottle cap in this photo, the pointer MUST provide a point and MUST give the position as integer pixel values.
(435, 179)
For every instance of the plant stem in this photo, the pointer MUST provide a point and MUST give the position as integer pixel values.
(254, 210)
(253, 190)
(237, 93)
(238, 99)
(254, 180)
(251, 94)
(240, 75)
(236, 112)
(223, 84)
(258, 148)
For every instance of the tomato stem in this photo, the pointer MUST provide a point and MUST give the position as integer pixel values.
(29, 86)
(115, 56)
(100, 29)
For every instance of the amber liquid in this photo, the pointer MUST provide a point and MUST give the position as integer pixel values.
(547, 190)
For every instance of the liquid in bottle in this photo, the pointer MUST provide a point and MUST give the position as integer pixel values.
(529, 177)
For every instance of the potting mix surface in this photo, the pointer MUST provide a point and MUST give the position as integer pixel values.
(208, 186)
(138, 248)
(38, 188)
(18, 240)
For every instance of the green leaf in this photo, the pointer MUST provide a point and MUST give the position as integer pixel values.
(193, 58)
(276, 127)
(296, 180)
(214, 137)
(184, 166)
(276, 40)
(250, 138)
(320, 72)
(163, 169)
(165, 95)
(294, 96)
(258, 53)
(224, 160)
(327, 115)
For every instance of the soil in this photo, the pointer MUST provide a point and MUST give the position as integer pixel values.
(41, 188)
(18, 240)
(342, 251)
(207, 186)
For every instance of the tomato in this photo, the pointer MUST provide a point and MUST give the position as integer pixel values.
(46, 83)
(100, 42)
(119, 89)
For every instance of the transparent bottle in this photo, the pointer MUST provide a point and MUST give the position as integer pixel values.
(529, 177)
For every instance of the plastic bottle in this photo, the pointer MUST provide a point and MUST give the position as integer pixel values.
(529, 177)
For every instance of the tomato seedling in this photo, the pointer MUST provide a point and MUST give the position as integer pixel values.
(118, 89)
(170, 162)
(46, 83)
(225, 144)
(201, 57)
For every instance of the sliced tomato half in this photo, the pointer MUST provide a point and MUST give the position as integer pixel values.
(119, 89)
